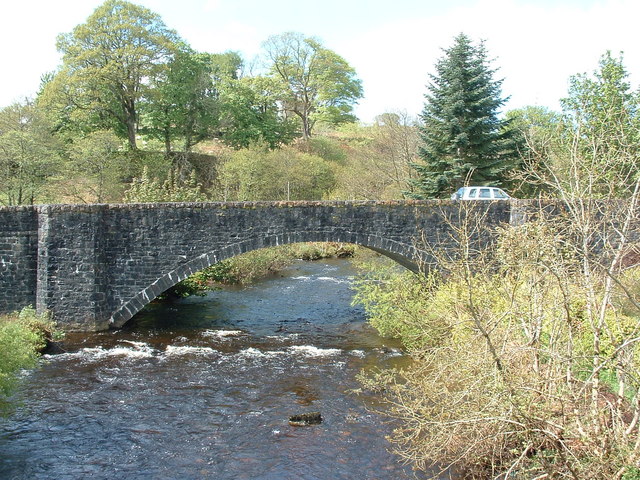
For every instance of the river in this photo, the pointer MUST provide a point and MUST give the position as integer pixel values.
(203, 388)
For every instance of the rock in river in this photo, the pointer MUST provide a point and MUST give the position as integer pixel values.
(305, 419)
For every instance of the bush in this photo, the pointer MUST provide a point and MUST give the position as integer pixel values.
(22, 336)
(515, 373)
(284, 174)
(325, 148)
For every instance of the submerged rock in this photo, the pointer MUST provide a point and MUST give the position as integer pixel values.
(305, 419)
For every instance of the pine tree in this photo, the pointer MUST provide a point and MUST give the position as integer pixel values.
(463, 138)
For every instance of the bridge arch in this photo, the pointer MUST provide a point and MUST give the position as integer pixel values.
(401, 253)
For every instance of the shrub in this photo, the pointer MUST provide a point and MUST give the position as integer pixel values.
(22, 336)
(524, 365)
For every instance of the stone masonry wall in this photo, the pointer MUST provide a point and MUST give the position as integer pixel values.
(18, 257)
(98, 265)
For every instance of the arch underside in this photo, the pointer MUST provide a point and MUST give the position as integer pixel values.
(401, 253)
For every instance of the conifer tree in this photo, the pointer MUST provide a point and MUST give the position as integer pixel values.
(462, 137)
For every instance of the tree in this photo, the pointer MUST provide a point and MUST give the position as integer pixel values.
(602, 115)
(538, 132)
(95, 168)
(534, 371)
(378, 163)
(185, 102)
(182, 104)
(249, 113)
(29, 153)
(396, 138)
(109, 63)
(317, 84)
(463, 137)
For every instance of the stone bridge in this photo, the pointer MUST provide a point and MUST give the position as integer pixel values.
(95, 266)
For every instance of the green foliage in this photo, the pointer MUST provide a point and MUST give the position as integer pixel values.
(258, 264)
(538, 132)
(463, 138)
(197, 284)
(398, 305)
(250, 114)
(283, 174)
(603, 116)
(316, 251)
(378, 158)
(631, 473)
(504, 378)
(253, 265)
(96, 166)
(423, 311)
(109, 64)
(22, 336)
(326, 148)
(186, 102)
(183, 103)
(316, 84)
(29, 154)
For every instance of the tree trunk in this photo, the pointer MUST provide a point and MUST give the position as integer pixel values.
(167, 141)
(129, 108)
(306, 127)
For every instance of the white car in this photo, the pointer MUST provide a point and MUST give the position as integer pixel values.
(480, 193)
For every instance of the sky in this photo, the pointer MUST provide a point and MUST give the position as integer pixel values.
(392, 44)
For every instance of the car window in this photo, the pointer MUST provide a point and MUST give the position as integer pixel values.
(485, 193)
(472, 192)
(497, 193)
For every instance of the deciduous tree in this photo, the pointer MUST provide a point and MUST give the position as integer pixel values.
(603, 118)
(282, 174)
(250, 114)
(378, 158)
(29, 154)
(538, 133)
(95, 168)
(317, 84)
(185, 101)
(109, 63)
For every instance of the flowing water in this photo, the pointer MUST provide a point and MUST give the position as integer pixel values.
(204, 389)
